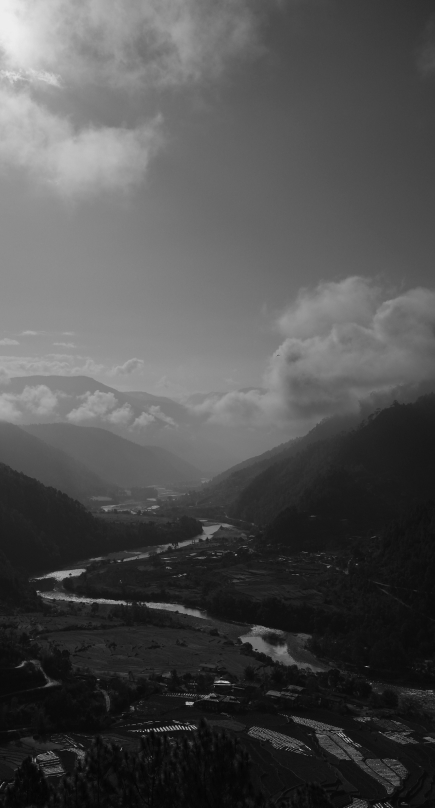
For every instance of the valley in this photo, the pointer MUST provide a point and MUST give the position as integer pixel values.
(308, 638)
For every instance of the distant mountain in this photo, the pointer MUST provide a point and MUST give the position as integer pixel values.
(51, 466)
(170, 424)
(121, 462)
(360, 479)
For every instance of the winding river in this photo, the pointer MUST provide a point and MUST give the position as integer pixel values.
(288, 649)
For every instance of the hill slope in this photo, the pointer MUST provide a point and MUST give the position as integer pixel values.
(51, 466)
(118, 460)
(365, 476)
(386, 603)
(228, 486)
(39, 525)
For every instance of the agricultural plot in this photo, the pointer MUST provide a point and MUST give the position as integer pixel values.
(403, 738)
(145, 649)
(388, 772)
(313, 724)
(279, 741)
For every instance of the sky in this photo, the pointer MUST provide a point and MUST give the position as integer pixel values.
(215, 195)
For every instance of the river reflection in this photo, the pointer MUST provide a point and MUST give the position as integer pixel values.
(168, 607)
(133, 555)
(279, 650)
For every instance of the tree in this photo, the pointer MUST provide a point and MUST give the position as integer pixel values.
(208, 770)
(309, 795)
(390, 698)
(29, 788)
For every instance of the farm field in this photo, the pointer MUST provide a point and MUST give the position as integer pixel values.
(111, 648)
(285, 749)
(186, 573)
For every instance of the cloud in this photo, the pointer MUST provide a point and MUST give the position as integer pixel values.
(65, 344)
(7, 341)
(126, 46)
(143, 420)
(8, 410)
(102, 406)
(133, 48)
(73, 161)
(31, 333)
(153, 415)
(52, 364)
(95, 405)
(38, 400)
(121, 415)
(4, 377)
(130, 366)
(344, 341)
(30, 76)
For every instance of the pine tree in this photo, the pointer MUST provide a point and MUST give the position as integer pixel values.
(29, 788)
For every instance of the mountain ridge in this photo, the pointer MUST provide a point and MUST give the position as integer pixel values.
(125, 464)
(53, 467)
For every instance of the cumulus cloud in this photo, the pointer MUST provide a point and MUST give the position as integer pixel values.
(8, 410)
(153, 415)
(102, 406)
(95, 405)
(7, 341)
(73, 160)
(65, 344)
(135, 47)
(130, 366)
(143, 420)
(52, 364)
(38, 400)
(4, 376)
(343, 342)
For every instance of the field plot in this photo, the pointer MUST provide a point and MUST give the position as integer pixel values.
(143, 650)
(279, 741)
(388, 772)
(403, 738)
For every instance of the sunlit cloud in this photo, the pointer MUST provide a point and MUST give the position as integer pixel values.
(153, 416)
(133, 48)
(102, 406)
(30, 76)
(130, 366)
(64, 344)
(343, 343)
(38, 400)
(8, 341)
(51, 364)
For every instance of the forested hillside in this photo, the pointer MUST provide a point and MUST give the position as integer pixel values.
(226, 487)
(40, 526)
(385, 607)
(360, 479)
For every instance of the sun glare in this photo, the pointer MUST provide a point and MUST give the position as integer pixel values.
(16, 39)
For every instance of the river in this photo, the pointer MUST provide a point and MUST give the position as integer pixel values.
(288, 649)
